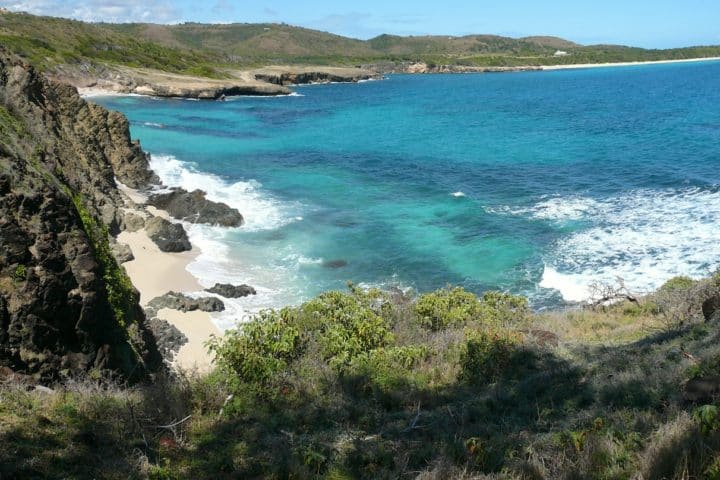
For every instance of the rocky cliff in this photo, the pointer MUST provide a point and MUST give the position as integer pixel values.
(66, 306)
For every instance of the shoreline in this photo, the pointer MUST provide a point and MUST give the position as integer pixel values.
(154, 273)
(625, 64)
(110, 90)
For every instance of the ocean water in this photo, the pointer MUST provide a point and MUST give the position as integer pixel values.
(537, 183)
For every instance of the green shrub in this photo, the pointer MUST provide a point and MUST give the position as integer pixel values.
(20, 273)
(259, 350)
(388, 370)
(447, 307)
(486, 354)
(347, 325)
(708, 418)
(504, 308)
(455, 307)
(677, 283)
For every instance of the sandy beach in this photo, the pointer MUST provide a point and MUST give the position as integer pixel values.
(625, 64)
(154, 273)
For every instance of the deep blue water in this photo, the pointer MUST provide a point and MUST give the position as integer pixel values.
(537, 183)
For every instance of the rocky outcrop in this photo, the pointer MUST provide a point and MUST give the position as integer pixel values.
(711, 308)
(304, 76)
(184, 303)
(422, 67)
(132, 222)
(122, 252)
(193, 207)
(143, 81)
(168, 236)
(231, 291)
(169, 338)
(59, 157)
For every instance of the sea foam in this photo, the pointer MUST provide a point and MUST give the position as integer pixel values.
(224, 257)
(260, 210)
(644, 237)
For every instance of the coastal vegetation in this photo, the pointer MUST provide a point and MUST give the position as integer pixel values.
(213, 51)
(371, 384)
(360, 383)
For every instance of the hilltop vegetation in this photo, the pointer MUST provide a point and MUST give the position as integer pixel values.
(212, 50)
(367, 384)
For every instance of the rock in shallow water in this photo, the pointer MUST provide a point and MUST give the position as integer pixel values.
(183, 303)
(231, 291)
(193, 207)
(335, 263)
(169, 237)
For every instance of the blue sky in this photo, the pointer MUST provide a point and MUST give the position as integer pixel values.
(646, 23)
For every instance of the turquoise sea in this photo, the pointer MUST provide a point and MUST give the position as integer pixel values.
(536, 183)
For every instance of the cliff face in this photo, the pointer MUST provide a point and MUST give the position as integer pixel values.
(65, 304)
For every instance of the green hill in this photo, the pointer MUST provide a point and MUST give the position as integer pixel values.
(207, 50)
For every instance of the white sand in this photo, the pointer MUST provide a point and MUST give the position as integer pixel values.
(624, 64)
(154, 273)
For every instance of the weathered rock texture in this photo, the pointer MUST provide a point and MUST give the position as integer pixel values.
(65, 305)
(231, 291)
(168, 236)
(193, 207)
(183, 303)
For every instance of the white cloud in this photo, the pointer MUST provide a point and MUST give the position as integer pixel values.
(159, 11)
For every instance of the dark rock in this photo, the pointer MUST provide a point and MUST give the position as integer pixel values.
(169, 338)
(711, 308)
(193, 207)
(231, 291)
(702, 389)
(318, 76)
(59, 160)
(169, 237)
(335, 264)
(183, 303)
(133, 222)
(122, 252)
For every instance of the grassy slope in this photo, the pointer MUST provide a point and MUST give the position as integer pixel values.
(48, 42)
(605, 403)
(206, 49)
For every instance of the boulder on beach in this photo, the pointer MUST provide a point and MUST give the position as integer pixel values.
(122, 252)
(168, 236)
(193, 207)
(231, 291)
(184, 303)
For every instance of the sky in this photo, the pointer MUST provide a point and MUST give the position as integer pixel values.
(643, 23)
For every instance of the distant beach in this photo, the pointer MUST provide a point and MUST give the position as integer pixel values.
(625, 64)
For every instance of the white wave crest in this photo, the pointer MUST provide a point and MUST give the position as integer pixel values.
(260, 210)
(644, 237)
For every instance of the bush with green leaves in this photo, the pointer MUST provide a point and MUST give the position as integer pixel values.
(340, 325)
(262, 348)
(487, 353)
(346, 325)
(447, 307)
(451, 307)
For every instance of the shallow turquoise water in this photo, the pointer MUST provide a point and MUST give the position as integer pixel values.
(536, 183)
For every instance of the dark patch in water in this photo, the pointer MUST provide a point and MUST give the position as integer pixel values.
(335, 263)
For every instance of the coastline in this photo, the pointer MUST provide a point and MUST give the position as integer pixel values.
(154, 273)
(276, 80)
(626, 64)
